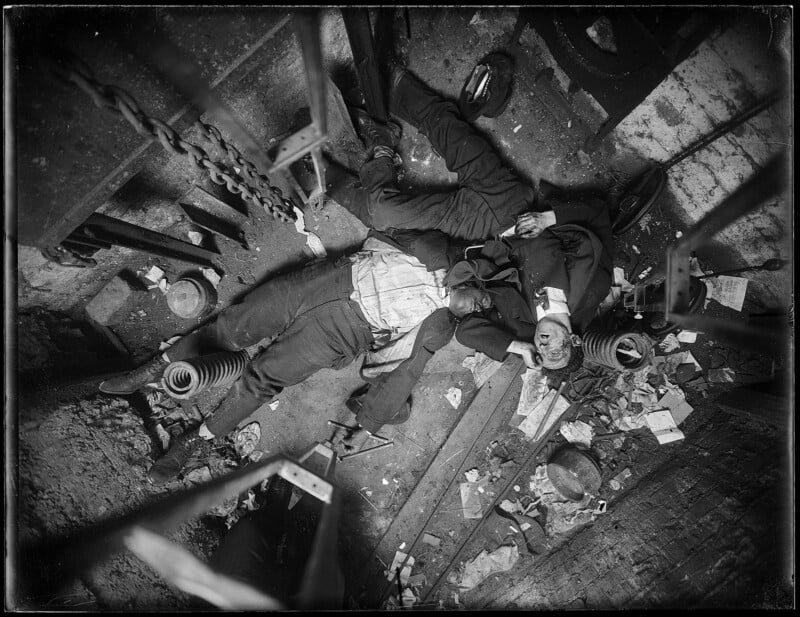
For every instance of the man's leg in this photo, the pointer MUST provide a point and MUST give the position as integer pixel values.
(329, 336)
(489, 196)
(266, 311)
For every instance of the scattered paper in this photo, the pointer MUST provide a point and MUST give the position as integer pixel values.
(409, 598)
(453, 397)
(727, 290)
(274, 405)
(687, 336)
(577, 432)
(675, 401)
(536, 417)
(694, 267)
(312, 240)
(405, 573)
(670, 343)
(511, 507)
(482, 367)
(195, 237)
(154, 275)
(517, 128)
(471, 500)
(534, 389)
(431, 540)
(684, 357)
(663, 426)
(472, 475)
(211, 275)
(721, 375)
(247, 439)
(486, 564)
(477, 19)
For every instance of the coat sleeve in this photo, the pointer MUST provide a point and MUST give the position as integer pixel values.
(480, 333)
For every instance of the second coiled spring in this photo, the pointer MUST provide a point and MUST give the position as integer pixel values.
(628, 351)
(186, 378)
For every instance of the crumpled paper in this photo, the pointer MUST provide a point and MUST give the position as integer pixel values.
(312, 240)
(534, 389)
(453, 397)
(484, 565)
(562, 514)
(247, 439)
(577, 432)
(482, 367)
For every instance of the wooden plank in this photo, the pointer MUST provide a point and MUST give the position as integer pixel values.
(484, 413)
(755, 404)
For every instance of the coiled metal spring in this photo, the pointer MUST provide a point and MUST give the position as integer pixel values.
(628, 351)
(186, 378)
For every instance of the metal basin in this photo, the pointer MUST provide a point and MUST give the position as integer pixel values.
(573, 473)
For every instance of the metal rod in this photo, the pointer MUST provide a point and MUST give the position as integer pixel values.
(550, 408)
(359, 33)
(723, 128)
(360, 452)
(115, 231)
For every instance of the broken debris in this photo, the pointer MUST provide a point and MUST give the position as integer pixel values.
(482, 367)
(577, 432)
(484, 565)
(532, 423)
(453, 397)
(470, 500)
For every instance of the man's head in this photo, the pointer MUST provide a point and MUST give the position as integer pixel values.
(553, 342)
(465, 300)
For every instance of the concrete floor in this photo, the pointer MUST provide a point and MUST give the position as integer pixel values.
(444, 46)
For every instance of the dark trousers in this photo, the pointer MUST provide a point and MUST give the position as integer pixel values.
(316, 324)
(489, 195)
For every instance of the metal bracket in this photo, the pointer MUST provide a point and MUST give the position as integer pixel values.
(765, 184)
(309, 139)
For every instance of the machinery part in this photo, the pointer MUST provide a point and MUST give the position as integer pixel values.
(771, 265)
(186, 378)
(653, 321)
(153, 45)
(768, 182)
(359, 34)
(637, 200)
(628, 351)
(108, 230)
(573, 473)
(191, 297)
(215, 225)
(73, 70)
(310, 139)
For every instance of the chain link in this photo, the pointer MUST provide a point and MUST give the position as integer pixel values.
(251, 185)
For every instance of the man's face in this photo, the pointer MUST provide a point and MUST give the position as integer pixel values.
(466, 300)
(553, 343)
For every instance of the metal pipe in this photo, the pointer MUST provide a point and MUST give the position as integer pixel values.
(308, 33)
(723, 128)
(359, 33)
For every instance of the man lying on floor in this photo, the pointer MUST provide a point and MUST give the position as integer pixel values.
(323, 316)
(559, 246)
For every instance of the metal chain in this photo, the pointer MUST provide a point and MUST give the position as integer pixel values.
(259, 191)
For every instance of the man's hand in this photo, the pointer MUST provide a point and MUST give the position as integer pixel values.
(531, 224)
(528, 352)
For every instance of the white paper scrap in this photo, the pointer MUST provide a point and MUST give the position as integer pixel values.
(531, 424)
(619, 280)
(663, 426)
(728, 291)
(577, 432)
(482, 367)
(405, 573)
(534, 389)
(517, 128)
(721, 375)
(687, 336)
(670, 343)
(312, 240)
(453, 397)
(211, 275)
